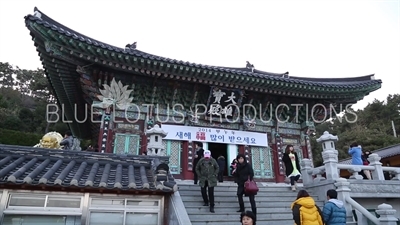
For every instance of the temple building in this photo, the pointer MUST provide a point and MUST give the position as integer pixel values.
(113, 95)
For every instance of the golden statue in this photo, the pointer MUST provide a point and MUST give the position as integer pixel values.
(50, 140)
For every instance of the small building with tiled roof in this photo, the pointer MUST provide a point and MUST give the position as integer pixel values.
(113, 95)
(75, 187)
(390, 156)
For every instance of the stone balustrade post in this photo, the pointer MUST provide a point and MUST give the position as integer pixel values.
(386, 213)
(396, 174)
(355, 173)
(329, 155)
(375, 160)
(306, 166)
(318, 174)
(343, 190)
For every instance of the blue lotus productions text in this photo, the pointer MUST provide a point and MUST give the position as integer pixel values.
(177, 113)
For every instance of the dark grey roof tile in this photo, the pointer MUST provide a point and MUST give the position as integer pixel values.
(57, 168)
(131, 177)
(78, 174)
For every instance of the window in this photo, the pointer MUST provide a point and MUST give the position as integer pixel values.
(138, 211)
(42, 209)
(45, 202)
(41, 220)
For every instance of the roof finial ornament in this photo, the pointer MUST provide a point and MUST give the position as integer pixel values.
(249, 66)
(130, 46)
(37, 14)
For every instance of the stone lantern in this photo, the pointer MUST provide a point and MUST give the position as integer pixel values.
(328, 140)
(329, 155)
(155, 145)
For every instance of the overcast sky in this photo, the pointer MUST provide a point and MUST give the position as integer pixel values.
(307, 38)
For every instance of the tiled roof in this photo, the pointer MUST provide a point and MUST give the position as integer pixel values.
(355, 82)
(383, 153)
(82, 170)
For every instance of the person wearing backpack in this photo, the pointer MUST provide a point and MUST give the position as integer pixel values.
(70, 142)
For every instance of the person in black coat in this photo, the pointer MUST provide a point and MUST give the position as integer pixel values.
(222, 164)
(292, 165)
(244, 171)
(197, 157)
(233, 169)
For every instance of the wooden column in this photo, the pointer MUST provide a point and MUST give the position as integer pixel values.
(241, 149)
(100, 139)
(248, 154)
(186, 173)
(277, 160)
(278, 164)
(309, 149)
(110, 140)
(305, 152)
(143, 140)
(105, 131)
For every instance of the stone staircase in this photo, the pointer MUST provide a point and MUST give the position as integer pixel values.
(273, 204)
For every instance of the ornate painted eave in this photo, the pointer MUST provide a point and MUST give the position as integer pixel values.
(67, 56)
(67, 40)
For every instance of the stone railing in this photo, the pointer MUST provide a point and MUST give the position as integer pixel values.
(331, 170)
(331, 167)
(177, 211)
(325, 177)
(386, 212)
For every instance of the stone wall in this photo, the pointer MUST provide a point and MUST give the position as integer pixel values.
(177, 214)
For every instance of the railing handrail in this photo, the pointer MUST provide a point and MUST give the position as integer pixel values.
(349, 167)
(390, 169)
(321, 169)
(181, 216)
(362, 210)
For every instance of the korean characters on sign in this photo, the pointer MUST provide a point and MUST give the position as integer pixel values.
(233, 139)
(216, 135)
(186, 135)
(205, 134)
(223, 103)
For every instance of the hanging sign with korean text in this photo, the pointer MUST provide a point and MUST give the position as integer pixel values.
(216, 135)
(223, 102)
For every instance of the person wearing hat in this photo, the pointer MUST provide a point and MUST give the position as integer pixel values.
(207, 171)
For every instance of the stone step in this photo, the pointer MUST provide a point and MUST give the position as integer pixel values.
(231, 188)
(206, 217)
(273, 204)
(233, 192)
(237, 221)
(232, 210)
(265, 204)
(233, 198)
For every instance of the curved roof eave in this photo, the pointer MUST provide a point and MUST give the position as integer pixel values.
(351, 82)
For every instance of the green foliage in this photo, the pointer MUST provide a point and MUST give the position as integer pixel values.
(24, 95)
(13, 137)
(372, 128)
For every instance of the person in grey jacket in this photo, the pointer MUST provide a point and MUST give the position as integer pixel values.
(67, 142)
(334, 212)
